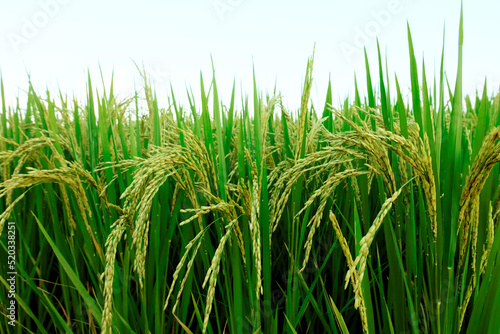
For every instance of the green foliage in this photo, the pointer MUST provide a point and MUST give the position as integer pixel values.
(376, 217)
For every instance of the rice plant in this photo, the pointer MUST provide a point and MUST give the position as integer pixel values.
(378, 216)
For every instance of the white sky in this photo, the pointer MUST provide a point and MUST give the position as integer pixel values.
(174, 40)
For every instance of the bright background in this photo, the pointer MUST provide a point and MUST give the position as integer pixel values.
(57, 41)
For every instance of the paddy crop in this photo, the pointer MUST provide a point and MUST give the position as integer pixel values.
(378, 216)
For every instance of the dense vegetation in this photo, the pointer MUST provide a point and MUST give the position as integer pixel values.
(378, 216)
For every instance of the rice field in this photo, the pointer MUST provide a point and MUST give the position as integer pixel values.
(378, 216)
